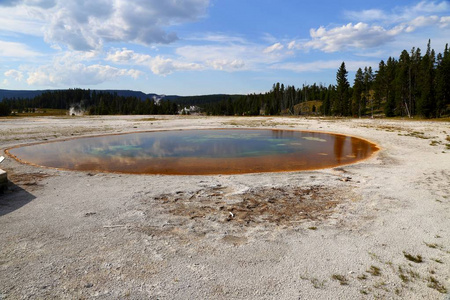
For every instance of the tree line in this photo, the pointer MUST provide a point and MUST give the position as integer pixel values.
(93, 102)
(280, 99)
(412, 85)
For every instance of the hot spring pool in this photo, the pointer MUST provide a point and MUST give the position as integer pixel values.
(199, 152)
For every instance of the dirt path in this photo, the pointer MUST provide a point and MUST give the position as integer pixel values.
(376, 229)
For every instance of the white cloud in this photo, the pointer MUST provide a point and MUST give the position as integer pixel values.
(369, 34)
(445, 21)
(227, 54)
(429, 7)
(233, 57)
(366, 15)
(72, 69)
(360, 35)
(229, 57)
(218, 57)
(228, 65)
(158, 65)
(166, 66)
(17, 75)
(274, 48)
(292, 45)
(21, 20)
(16, 50)
(77, 74)
(421, 22)
(399, 14)
(321, 65)
(125, 56)
(86, 24)
(217, 38)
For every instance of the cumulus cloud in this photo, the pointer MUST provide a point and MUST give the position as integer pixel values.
(73, 69)
(239, 55)
(158, 65)
(77, 74)
(376, 27)
(86, 25)
(166, 66)
(421, 22)
(124, 56)
(15, 74)
(360, 35)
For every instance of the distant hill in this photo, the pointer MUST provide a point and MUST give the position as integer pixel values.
(26, 94)
(19, 94)
(181, 100)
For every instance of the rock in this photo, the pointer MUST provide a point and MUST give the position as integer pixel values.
(3, 180)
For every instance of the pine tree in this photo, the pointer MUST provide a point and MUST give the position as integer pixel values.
(426, 105)
(5, 110)
(415, 59)
(341, 104)
(368, 94)
(380, 84)
(389, 108)
(443, 83)
(403, 85)
(358, 89)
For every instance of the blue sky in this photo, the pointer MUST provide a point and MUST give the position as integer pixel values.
(192, 47)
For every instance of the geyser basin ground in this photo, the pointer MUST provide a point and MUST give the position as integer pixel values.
(200, 152)
(172, 237)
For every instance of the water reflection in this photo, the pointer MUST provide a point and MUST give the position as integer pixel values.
(200, 152)
(339, 142)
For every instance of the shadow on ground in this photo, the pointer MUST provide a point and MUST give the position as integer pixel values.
(14, 197)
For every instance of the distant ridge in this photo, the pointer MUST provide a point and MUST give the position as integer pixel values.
(20, 94)
(180, 100)
(29, 94)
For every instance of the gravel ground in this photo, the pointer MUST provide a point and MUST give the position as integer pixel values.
(379, 228)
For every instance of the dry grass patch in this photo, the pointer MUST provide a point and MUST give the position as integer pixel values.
(341, 278)
(374, 271)
(147, 120)
(435, 284)
(407, 275)
(414, 258)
